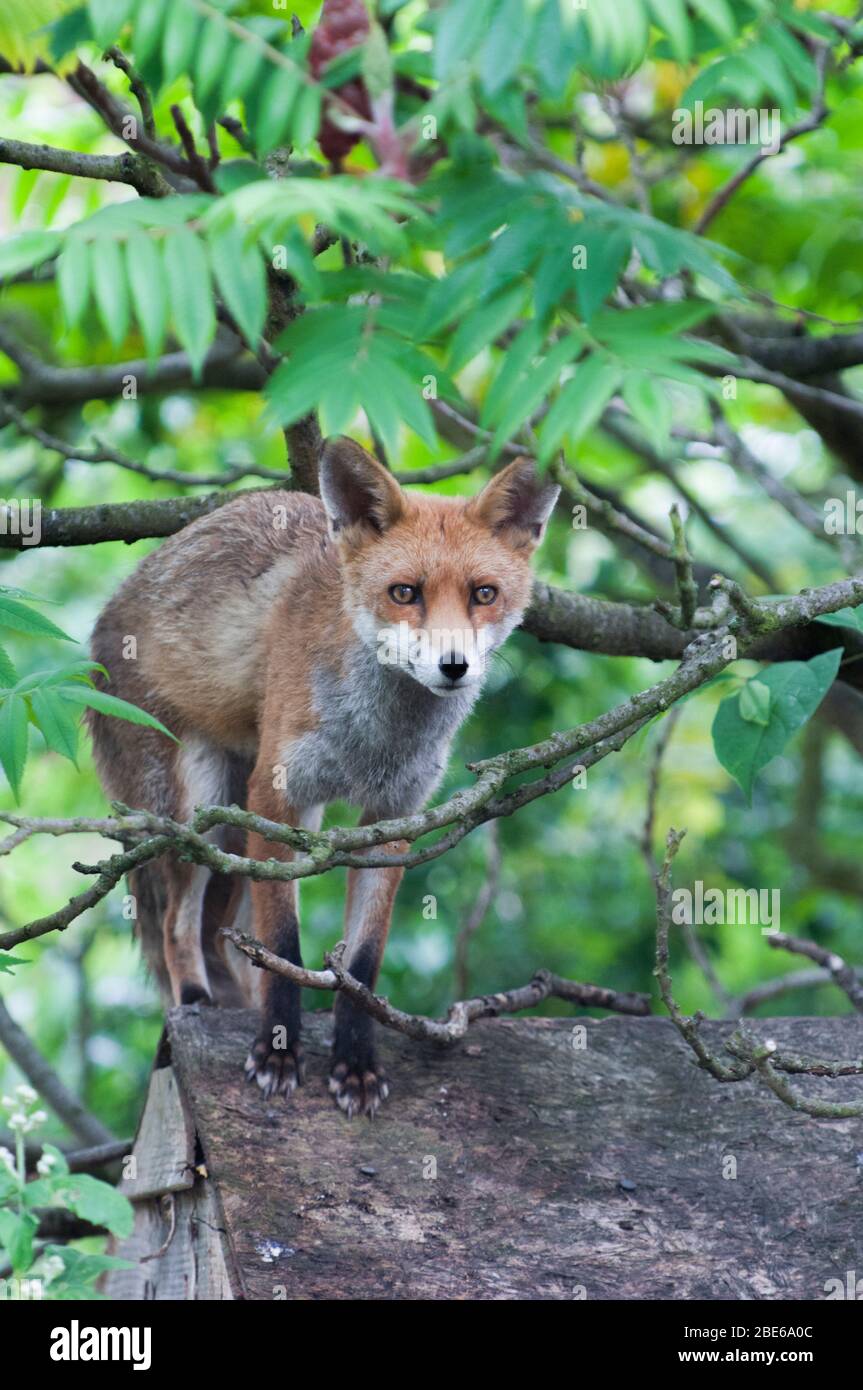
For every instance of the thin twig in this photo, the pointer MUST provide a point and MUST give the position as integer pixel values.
(459, 1016)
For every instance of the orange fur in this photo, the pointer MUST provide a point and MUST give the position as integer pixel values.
(265, 639)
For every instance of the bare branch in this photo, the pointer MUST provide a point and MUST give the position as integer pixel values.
(749, 1056)
(115, 168)
(198, 165)
(138, 86)
(459, 1016)
(840, 972)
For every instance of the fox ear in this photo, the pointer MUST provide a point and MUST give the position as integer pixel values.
(516, 499)
(356, 489)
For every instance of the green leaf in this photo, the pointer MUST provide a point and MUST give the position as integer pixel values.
(606, 253)
(796, 689)
(56, 721)
(20, 619)
(13, 739)
(147, 283)
(107, 18)
(755, 700)
(650, 407)
(8, 962)
(671, 16)
(719, 15)
(379, 406)
(73, 279)
(460, 29)
(579, 404)
(147, 29)
(306, 115)
(16, 1237)
(67, 32)
(81, 1267)
(844, 617)
(404, 389)
(296, 387)
(484, 325)
(13, 592)
(88, 1197)
(110, 704)
(650, 319)
(793, 55)
(242, 280)
(26, 251)
(508, 108)
(504, 45)
(178, 40)
(513, 251)
(528, 393)
(72, 670)
(188, 273)
(243, 73)
(448, 299)
(110, 289)
(8, 674)
(518, 358)
(270, 112)
(211, 63)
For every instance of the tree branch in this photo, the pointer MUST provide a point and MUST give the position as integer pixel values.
(749, 1056)
(125, 168)
(459, 1016)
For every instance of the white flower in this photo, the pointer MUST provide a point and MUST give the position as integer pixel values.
(9, 1159)
(45, 1164)
(26, 1093)
(18, 1121)
(7, 1102)
(38, 1117)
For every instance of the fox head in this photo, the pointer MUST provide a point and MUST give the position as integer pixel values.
(433, 584)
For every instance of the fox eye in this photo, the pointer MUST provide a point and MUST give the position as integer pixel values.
(484, 594)
(404, 593)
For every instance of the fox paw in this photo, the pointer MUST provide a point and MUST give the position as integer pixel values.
(278, 1071)
(358, 1092)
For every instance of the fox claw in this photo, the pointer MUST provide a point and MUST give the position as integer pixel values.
(276, 1071)
(357, 1093)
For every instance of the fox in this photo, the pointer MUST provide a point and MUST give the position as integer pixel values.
(303, 650)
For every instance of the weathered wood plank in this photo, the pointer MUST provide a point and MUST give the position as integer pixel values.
(516, 1165)
(177, 1249)
(164, 1150)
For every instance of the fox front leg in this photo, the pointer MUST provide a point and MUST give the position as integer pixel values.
(276, 1060)
(357, 1083)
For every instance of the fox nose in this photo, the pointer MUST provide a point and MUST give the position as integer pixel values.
(452, 667)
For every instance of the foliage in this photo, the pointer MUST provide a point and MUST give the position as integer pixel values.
(50, 700)
(513, 239)
(62, 1272)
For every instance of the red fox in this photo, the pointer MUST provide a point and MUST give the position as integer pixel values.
(304, 650)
